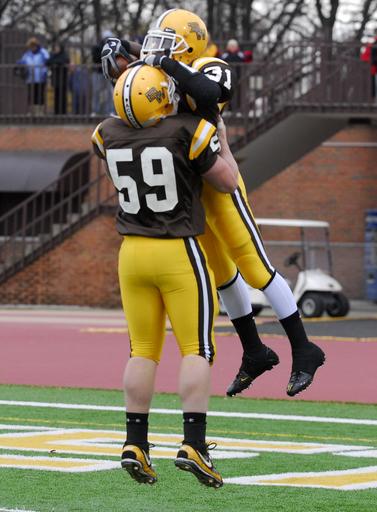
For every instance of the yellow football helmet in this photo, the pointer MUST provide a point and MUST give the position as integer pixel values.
(178, 33)
(143, 96)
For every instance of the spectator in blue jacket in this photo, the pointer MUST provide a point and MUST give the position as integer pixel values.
(79, 81)
(35, 59)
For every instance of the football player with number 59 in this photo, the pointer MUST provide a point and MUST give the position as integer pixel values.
(232, 240)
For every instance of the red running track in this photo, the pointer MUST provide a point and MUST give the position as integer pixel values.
(48, 348)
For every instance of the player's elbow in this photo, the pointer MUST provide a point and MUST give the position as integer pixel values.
(229, 184)
(222, 176)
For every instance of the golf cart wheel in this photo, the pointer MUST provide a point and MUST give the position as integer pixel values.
(312, 305)
(338, 305)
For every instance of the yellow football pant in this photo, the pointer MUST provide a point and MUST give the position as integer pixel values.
(233, 239)
(159, 276)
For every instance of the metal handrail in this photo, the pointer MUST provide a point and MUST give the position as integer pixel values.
(87, 96)
(52, 214)
(319, 76)
(53, 184)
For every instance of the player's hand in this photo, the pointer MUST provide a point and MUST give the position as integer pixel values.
(153, 60)
(111, 50)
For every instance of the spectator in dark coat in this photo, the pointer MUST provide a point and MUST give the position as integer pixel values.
(234, 55)
(58, 63)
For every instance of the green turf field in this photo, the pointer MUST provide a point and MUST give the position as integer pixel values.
(66, 459)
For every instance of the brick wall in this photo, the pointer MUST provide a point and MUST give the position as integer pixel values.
(81, 271)
(53, 138)
(332, 183)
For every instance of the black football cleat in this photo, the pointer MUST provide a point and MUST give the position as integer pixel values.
(251, 368)
(306, 362)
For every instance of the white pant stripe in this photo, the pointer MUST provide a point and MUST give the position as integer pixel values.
(203, 281)
(246, 217)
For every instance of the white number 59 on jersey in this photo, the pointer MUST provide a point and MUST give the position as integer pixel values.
(126, 185)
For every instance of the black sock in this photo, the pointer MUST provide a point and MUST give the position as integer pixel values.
(295, 330)
(194, 429)
(137, 429)
(248, 334)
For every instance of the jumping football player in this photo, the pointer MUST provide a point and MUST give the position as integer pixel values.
(232, 239)
(158, 172)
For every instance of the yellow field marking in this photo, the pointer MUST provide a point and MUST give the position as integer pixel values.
(64, 422)
(104, 443)
(108, 442)
(55, 463)
(298, 436)
(344, 480)
(228, 432)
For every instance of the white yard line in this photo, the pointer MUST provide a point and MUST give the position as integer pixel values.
(15, 510)
(246, 415)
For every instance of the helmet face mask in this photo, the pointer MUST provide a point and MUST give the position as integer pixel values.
(165, 42)
(143, 96)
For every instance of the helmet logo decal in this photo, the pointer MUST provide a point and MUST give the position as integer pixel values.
(194, 27)
(154, 94)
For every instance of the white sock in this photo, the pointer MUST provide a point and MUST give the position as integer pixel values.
(236, 297)
(280, 296)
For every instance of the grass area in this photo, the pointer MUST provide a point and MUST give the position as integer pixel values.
(113, 490)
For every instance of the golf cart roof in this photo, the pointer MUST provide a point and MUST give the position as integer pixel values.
(290, 223)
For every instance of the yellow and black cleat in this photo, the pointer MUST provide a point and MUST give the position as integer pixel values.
(138, 464)
(199, 464)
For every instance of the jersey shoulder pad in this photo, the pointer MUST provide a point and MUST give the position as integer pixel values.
(204, 131)
(97, 139)
(200, 63)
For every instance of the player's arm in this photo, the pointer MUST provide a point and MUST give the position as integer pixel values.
(211, 160)
(225, 151)
(222, 176)
(134, 48)
(98, 143)
(219, 72)
(99, 148)
(203, 90)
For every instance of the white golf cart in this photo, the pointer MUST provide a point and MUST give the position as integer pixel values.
(315, 290)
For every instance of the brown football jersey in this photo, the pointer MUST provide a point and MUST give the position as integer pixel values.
(157, 172)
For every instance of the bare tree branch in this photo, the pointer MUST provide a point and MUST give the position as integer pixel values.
(369, 7)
